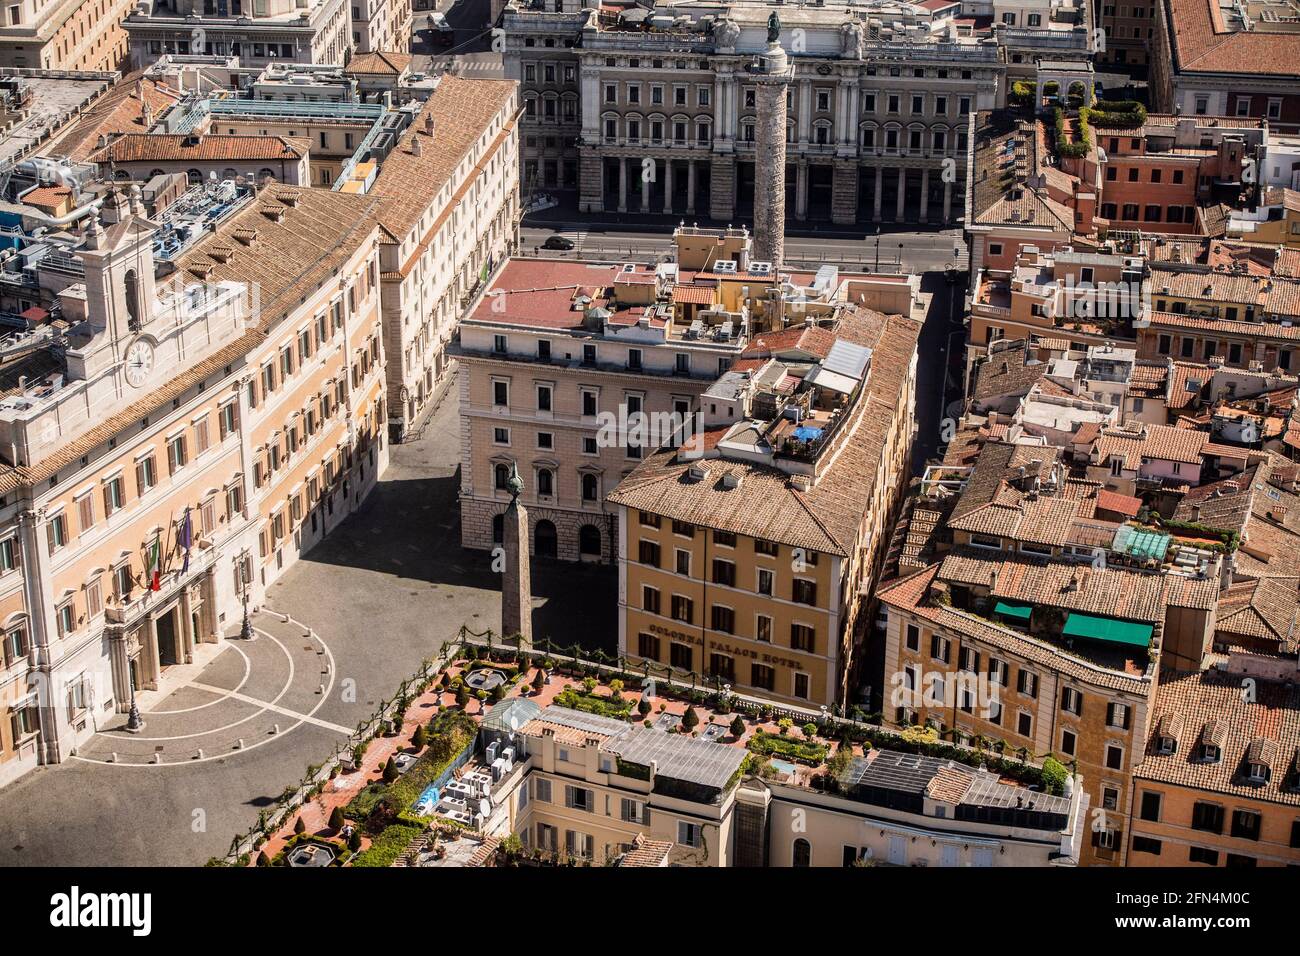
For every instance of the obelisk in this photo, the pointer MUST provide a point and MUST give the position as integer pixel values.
(516, 581)
(772, 75)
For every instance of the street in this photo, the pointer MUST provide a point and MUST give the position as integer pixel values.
(918, 251)
(385, 591)
(470, 50)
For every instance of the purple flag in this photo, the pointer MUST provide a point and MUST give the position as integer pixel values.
(187, 537)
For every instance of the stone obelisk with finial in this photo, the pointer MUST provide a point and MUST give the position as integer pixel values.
(516, 581)
(771, 74)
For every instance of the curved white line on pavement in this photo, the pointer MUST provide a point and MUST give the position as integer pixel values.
(224, 755)
(216, 730)
(248, 673)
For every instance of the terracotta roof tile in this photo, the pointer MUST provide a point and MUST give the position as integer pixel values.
(461, 110)
(1201, 42)
(213, 147)
(826, 517)
(1213, 709)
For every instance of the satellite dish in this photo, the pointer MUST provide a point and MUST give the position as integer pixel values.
(514, 723)
(485, 808)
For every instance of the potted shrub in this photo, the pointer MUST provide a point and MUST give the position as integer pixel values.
(336, 819)
(737, 726)
(299, 827)
(690, 719)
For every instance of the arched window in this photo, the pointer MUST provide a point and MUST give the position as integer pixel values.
(802, 855)
(501, 476)
(193, 177)
(590, 488)
(131, 286)
(545, 482)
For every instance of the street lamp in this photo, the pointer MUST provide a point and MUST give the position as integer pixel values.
(246, 628)
(876, 268)
(133, 722)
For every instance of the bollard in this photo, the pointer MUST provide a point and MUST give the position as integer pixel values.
(320, 689)
(112, 758)
(157, 757)
(275, 728)
(239, 744)
(199, 755)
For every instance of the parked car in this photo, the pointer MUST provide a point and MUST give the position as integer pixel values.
(558, 242)
(440, 31)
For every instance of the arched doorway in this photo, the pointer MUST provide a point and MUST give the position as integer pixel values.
(589, 541)
(545, 540)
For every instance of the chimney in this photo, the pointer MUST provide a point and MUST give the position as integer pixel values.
(428, 124)
(415, 146)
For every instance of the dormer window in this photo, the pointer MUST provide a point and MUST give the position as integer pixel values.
(1256, 773)
(1166, 746)
(1210, 753)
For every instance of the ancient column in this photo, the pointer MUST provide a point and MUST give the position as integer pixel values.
(516, 579)
(772, 75)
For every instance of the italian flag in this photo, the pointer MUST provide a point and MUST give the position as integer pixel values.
(155, 565)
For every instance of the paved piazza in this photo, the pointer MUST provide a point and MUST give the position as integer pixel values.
(244, 698)
(384, 592)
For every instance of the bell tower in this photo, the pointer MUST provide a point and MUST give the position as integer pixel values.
(118, 256)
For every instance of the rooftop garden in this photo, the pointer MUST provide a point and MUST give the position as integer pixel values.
(1074, 133)
(432, 726)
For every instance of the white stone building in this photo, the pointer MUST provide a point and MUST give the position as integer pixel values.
(878, 106)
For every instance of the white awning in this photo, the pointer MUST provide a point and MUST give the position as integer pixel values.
(835, 381)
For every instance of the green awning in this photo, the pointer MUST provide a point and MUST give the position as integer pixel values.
(1018, 611)
(1141, 543)
(1107, 629)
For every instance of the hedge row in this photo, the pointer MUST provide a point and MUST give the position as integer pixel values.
(804, 751)
(387, 846)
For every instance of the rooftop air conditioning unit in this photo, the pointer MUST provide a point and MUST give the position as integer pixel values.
(725, 267)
